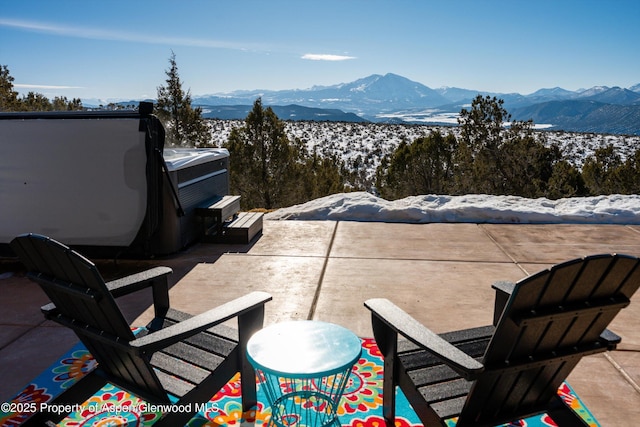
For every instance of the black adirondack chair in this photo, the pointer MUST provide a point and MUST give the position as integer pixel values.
(486, 376)
(181, 355)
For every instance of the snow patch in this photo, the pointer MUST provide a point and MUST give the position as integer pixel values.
(473, 208)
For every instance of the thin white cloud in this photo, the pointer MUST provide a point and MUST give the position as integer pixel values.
(30, 86)
(326, 57)
(102, 34)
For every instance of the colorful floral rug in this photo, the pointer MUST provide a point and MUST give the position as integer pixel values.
(361, 405)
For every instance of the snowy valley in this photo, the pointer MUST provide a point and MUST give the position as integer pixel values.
(363, 145)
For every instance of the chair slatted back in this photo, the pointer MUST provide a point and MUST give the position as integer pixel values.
(83, 303)
(550, 322)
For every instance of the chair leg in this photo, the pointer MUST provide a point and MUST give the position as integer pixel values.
(563, 415)
(248, 324)
(248, 386)
(389, 394)
(78, 393)
(387, 341)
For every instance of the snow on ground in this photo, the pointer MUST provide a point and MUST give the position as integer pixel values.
(362, 145)
(475, 208)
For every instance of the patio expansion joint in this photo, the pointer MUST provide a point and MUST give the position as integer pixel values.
(268, 255)
(316, 296)
(502, 248)
(623, 373)
(453, 261)
(30, 329)
(635, 230)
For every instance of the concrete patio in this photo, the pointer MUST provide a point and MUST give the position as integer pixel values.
(324, 270)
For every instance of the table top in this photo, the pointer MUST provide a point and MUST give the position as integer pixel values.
(300, 349)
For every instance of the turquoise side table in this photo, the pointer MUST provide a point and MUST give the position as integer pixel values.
(304, 367)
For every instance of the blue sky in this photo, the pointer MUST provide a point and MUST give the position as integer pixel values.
(114, 49)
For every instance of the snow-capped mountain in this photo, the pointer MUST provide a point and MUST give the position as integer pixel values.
(614, 95)
(377, 92)
(367, 96)
(393, 98)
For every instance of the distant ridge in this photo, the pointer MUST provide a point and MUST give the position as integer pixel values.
(287, 112)
(396, 99)
(584, 116)
(369, 95)
(393, 98)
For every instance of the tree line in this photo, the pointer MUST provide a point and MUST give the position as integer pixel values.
(32, 101)
(487, 157)
(491, 158)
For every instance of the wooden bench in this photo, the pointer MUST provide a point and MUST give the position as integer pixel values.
(222, 209)
(244, 228)
(222, 222)
(215, 215)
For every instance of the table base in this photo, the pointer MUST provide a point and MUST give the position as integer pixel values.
(304, 402)
(302, 409)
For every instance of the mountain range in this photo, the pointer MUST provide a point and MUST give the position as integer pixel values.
(393, 98)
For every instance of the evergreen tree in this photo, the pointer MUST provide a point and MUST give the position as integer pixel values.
(425, 166)
(9, 100)
(35, 102)
(61, 103)
(524, 163)
(264, 167)
(38, 102)
(323, 176)
(8, 96)
(565, 181)
(629, 175)
(493, 159)
(480, 141)
(185, 125)
(270, 171)
(601, 171)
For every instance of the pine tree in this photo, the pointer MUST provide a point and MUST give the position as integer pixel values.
(493, 159)
(525, 164)
(264, 167)
(601, 171)
(629, 174)
(185, 125)
(323, 176)
(33, 101)
(61, 103)
(565, 181)
(270, 171)
(425, 166)
(8, 96)
(480, 142)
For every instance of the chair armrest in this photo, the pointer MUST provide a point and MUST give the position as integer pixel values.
(611, 339)
(48, 310)
(186, 328)
(154, 277)
(401, 322)
(135, 282)
(503, 292)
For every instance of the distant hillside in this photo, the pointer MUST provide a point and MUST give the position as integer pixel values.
(391, 98)
(369, 95)
(583, 116)
(362, 146)
(613, 95)
(287, 112)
